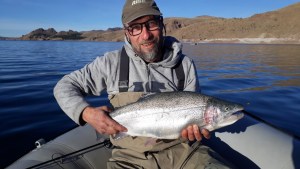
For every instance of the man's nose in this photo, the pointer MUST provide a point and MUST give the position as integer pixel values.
(145, 33)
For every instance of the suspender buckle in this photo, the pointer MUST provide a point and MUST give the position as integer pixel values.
(123, 85)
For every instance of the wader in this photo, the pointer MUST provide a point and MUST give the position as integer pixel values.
(144, 152)
(137, 152)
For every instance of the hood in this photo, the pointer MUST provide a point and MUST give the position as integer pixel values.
(172, 53)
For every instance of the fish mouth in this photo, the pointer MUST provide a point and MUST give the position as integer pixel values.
(238, 114)
(235, 116)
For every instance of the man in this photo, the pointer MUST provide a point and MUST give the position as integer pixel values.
(152, 66)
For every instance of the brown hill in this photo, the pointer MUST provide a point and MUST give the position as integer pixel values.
(282, 24)
(112, 34)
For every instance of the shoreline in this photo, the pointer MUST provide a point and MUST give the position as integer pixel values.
(279, 41)
(246, 41)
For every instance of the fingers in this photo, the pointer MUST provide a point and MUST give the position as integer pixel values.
(197, 132)
(109, 126)
(101, 121)
(193, 132)
(184, 134)
(205, 133)
(114, 126)
(106, 129)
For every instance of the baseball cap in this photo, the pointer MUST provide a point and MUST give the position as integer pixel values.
(134, 9)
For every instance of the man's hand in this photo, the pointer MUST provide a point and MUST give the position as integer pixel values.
(192, 132)
(98, 117)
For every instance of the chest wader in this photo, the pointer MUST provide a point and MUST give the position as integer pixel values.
(137, 152)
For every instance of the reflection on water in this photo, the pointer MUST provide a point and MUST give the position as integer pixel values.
(28, 72)
(264, 78)
(279, 65)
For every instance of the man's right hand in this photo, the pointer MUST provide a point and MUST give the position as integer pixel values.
(98, 118)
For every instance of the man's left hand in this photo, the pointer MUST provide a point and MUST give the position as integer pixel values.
(193, 132)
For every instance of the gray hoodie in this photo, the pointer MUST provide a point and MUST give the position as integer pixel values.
(103, 75)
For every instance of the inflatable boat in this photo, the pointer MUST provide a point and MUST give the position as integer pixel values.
(247, 144)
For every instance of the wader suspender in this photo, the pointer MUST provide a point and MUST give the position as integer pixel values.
(124, 73)
(180, 74)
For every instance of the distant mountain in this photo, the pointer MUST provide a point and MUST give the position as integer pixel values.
(51, 34)
(279, 24)
(8, 38)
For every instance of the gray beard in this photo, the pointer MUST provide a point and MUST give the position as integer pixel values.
(150, 56)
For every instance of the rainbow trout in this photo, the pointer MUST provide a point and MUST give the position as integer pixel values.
(164, 115)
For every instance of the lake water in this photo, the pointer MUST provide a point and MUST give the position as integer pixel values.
(264, 78)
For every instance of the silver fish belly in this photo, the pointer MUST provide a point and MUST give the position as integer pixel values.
(164, 115)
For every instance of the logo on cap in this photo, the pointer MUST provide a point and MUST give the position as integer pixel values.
(138, 2)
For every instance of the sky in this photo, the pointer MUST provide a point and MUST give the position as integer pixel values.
(20, 17)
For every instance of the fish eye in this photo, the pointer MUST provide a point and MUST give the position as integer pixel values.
(227, 108)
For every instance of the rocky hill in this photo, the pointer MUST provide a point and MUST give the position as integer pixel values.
(51, 34)
(282, 24)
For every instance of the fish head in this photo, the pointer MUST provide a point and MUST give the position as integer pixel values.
(220, 113)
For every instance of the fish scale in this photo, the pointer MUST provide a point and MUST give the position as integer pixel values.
(164, 115)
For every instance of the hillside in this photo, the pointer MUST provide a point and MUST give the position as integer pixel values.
(281, 25)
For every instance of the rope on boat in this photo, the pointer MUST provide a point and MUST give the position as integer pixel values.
(74, 155)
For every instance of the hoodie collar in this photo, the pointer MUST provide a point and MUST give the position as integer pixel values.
(171, 56)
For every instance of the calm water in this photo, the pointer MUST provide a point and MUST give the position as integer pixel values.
(264, 78)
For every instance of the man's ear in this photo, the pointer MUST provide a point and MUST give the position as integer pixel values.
(127, 37)
(163, 25)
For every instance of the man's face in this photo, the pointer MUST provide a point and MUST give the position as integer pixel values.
(145, 36)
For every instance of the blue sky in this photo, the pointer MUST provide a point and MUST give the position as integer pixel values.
(19, 17)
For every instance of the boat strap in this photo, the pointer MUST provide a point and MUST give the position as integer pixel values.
(124, 72)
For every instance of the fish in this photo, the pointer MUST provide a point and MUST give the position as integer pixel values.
(164, 115)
